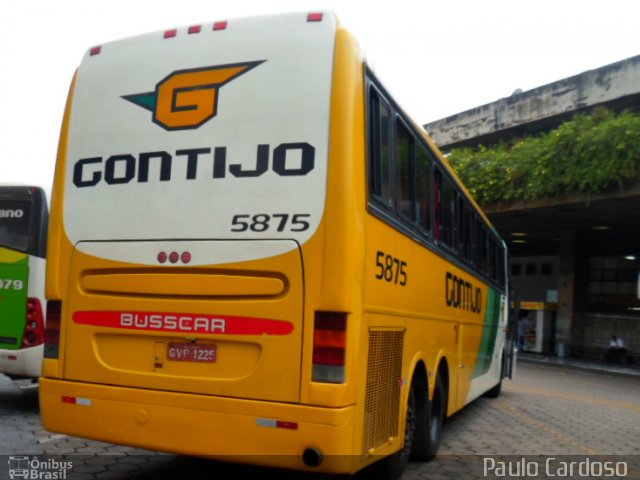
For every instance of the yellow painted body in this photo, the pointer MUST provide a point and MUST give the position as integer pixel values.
(216, 410)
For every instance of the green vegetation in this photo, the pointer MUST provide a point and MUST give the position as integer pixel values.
(587, 154)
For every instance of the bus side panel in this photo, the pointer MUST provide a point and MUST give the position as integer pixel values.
(449, 313)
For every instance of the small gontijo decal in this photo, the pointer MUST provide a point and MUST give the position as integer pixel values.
(186, 99)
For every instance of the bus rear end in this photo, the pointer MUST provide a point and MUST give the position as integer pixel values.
(23, 227)
(189, 192)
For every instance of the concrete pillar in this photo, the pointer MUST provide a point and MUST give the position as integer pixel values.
(572, 291)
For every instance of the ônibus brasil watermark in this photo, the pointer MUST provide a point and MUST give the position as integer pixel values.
(553, 467)
(34, 468)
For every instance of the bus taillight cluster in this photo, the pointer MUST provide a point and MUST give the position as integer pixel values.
(52, 343)
(34, 326)
(329, 347)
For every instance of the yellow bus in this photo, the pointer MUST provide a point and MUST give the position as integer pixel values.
(256, 256)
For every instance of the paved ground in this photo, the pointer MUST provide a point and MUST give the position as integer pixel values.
(565, 414)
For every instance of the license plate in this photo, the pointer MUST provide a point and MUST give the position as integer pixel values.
(191, 352)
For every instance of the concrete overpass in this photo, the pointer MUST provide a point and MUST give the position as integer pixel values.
(579, 252)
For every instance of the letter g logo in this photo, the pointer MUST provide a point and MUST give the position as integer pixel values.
(186, 99)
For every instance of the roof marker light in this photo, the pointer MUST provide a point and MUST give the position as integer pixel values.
(314, 17)
(220, 25)
(185, 257)
(174, 257)
(195, 29)
(95, 51)
(162, 257)
(170, 33)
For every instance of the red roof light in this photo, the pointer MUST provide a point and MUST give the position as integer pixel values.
(95, 51)
(220, 25)
(314, 17)
(195, 29)
(170, 33)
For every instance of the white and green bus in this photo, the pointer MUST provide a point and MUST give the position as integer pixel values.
(24, 218)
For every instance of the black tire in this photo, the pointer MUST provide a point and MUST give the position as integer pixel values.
(495, 391)
(430, 422)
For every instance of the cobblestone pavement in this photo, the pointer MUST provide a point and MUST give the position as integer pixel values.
(564, 414)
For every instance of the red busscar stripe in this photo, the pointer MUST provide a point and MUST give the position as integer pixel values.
(184, 323)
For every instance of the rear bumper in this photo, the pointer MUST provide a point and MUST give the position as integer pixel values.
(25, 362)
(228, 429)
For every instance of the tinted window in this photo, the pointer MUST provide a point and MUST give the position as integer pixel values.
(15, 216)
(381, 162)
(404, 173)
(466, 231)
(445, 209)
(423, 187)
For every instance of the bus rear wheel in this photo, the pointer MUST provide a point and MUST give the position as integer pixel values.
(430, 423)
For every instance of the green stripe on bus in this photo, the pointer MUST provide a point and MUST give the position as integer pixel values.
(489, 332)
(14, 285)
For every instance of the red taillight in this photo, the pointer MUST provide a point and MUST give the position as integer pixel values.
(314, 17)
(34, 326)
(87, 402)
(329, 347)
(52, 342)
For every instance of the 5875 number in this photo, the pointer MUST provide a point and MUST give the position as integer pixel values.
(390, 269)
(262, 222)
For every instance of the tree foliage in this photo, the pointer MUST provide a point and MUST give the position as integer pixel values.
(587, 154)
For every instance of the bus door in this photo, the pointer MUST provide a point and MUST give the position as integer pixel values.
(511, 337)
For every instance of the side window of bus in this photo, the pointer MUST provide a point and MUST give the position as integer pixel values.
(494, 259)
(423, 187)
(445, 197)
(380, 149)
(465, 230)
(498, 261)
(501, 265)
(481, 246)
(405, 196)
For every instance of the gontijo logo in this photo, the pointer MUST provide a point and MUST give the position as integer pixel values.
(186, 99)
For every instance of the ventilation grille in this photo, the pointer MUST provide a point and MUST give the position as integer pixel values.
(382, 403)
